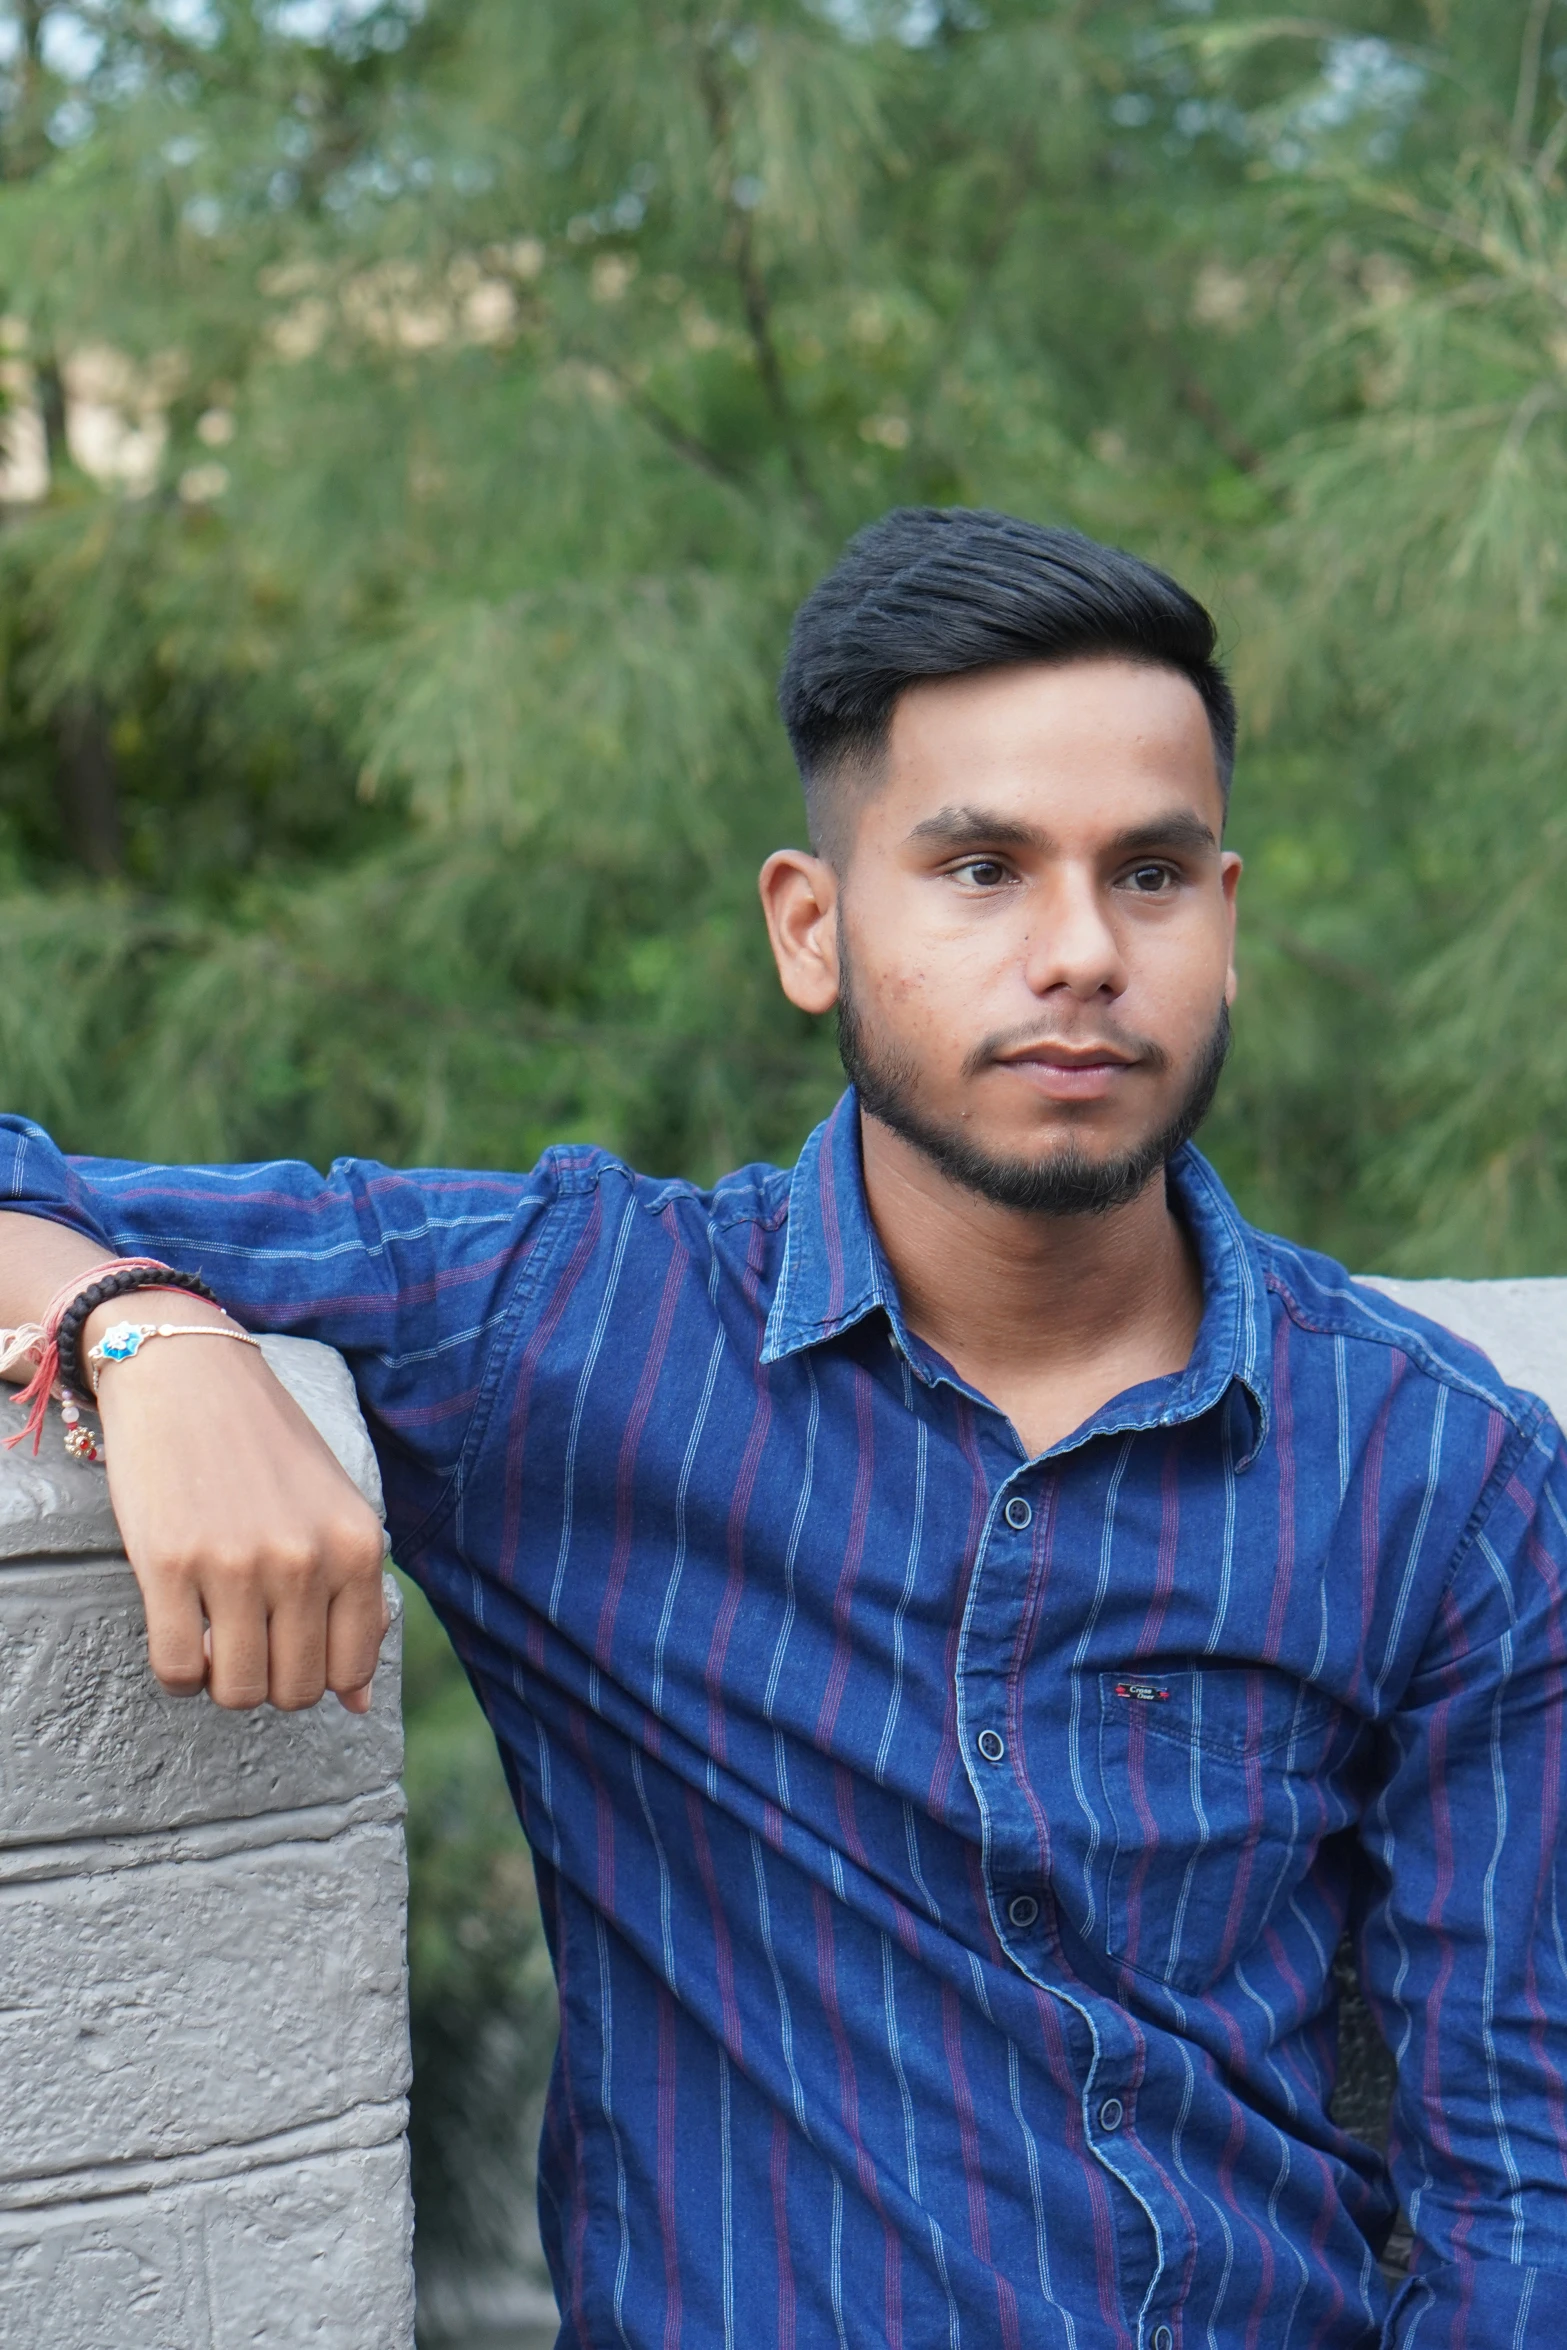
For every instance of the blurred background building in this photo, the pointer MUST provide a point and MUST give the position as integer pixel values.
(420, 418)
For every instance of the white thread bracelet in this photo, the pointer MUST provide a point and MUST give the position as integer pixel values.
(124, 1340)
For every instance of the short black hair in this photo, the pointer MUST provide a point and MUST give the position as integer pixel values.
(931, 591)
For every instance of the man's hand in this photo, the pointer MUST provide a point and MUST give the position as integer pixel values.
(258, 1559)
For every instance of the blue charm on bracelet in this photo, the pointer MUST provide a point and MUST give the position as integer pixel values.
(121, 1341)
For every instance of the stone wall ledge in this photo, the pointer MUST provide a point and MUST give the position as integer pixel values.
(314, 2250)
(357, 2130)
(203, 1996)
(312, 1823)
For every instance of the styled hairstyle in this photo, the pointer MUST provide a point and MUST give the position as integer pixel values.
(934, 591)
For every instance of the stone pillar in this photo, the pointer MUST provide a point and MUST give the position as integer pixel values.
(203, 2012)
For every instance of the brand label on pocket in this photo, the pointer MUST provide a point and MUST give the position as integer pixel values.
(1145, 1692)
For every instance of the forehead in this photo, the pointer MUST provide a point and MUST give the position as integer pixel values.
(1072, 743)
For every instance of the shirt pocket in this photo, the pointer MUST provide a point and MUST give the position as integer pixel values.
(1213, 1806)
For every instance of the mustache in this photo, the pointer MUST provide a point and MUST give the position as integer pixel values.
(1142, 1049)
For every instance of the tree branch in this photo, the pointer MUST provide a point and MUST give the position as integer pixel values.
(1003, 226)
(1326, 966)
(89, 785)
(1198, 401)
(670, 430)
(755, 299)
(51, 408)
(1551, 150)
(757, 303)
(1529, 77)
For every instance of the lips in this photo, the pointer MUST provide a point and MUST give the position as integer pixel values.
(1065, 1056)
(1069, 1073)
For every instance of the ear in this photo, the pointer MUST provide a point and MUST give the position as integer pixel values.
(800, 900)
(1230, 881)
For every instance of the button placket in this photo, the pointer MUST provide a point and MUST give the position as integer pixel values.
(986, 1652)
(986, 1662)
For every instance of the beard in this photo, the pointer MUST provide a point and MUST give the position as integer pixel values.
(1063, 1181)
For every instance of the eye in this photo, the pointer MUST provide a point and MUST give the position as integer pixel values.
(1149, 880)
(982, 872)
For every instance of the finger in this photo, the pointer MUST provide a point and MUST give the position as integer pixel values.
(356, 1626)
(237, 1676)
(296, 1647)
(355, 1701)
(176, 1648)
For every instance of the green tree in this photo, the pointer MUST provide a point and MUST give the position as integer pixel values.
(422, 420)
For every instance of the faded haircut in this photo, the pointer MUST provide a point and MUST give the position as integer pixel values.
(934, 591)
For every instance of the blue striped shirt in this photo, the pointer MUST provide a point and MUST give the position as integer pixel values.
(943, 1852)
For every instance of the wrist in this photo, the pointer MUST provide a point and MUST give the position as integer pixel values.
(59, 1343)
(73, 1306)
(125, 1341)
(154, 1305)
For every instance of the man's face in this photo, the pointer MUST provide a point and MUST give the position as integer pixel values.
(1030, 939)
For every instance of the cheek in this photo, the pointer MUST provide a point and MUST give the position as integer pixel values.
(929, 975)
(1181, 978)
(901, 998)
(904, 1002)
(926, 984)
(952, 960)
(908, 986)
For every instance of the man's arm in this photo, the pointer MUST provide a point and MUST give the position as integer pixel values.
(259, 1562)
(1463, 1959)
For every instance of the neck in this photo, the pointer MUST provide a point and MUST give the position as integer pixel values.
(1048, 1316)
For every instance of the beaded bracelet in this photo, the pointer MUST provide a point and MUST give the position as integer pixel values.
(53, 1345)
(144, 1274)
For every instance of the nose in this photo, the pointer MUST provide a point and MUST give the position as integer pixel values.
(1071, 941)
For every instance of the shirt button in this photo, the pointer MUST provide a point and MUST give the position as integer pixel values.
(1111, 2115)
(1017, 1513)
(1022, 1909)
(991, 1745)
(1163, 2338)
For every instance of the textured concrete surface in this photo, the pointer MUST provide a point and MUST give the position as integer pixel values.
(90, 1745)
(275, 2255)
(203, 2012)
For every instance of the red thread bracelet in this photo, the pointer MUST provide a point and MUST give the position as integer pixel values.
(41, 1342)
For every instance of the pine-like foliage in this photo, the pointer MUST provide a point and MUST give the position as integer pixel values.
(446, 406)
(423, 418)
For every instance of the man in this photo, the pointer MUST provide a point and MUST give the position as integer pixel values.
(969, 1622)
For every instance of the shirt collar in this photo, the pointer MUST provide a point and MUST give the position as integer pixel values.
(834, 1275)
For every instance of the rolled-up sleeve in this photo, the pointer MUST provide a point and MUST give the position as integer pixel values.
(1463, 1953)
(410, 1275)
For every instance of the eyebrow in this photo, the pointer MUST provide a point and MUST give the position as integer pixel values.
(976, 828)
(1181, 829)
(969, 828)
